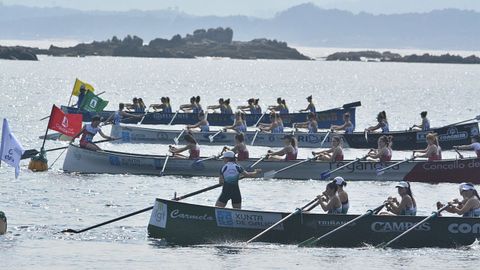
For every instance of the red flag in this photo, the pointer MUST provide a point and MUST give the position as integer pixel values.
(68, 124)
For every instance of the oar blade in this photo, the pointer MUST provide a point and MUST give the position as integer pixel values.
(210, 138)
(352, 105)
(380, 171)
(307, 243)
(29, 153)
(325, 175)
(269, 175)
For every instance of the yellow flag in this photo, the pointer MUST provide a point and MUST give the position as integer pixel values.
(78, 84)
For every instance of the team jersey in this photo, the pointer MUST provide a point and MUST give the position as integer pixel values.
(231, 172)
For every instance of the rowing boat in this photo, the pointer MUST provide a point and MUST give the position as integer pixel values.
(325, 118)
(184, 223)
(402, 140)
(86, 161)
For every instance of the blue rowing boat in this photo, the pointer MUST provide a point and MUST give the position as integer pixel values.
(325, 118)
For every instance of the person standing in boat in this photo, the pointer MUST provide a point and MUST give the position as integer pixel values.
(347, 126)
(276, 125)
(384, 151)
(329, 200)
(311, 125)
(469, 206)
(202, 123)
(88, 132)
(407, 205)
(310, 106)
(164, 107)
(240, 147)
(239, 125)
(342, 194)
(382, 123)
(333, 154)
(230, 174)
(425, 125)
(290, 150)
(81, 96)
(192, 147)
(433, 151)
(117, 117)
(475, 146)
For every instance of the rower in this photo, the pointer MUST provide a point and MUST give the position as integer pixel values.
(425, 125)
(290, 150)
(475, 145)
(164, 107)
(3, 223)
(229, 176)
(433, 151)
(193, 107)
(281, 106)
(240, 147)
(342, 194)
(311, 125)
(250, 107)
(239, 125)
(202, 123)
(140, 106)
(384, 151)
(131, 106)
(192, 147)
(81, 96)
(329, 200)
(382, 123)
(333, 154)
(257, 107)
(347, 126)
(222, 106)
(276, 125)
(88, 132)
(116, 118)
(407, 206)
(310, 107)
(469, 206)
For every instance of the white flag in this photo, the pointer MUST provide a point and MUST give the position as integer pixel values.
(11, 149)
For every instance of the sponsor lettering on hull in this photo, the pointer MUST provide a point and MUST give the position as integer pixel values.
(247, 220)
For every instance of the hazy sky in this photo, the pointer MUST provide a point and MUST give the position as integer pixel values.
(261, 8)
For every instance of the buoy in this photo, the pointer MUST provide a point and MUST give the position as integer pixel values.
(3, 223)
(38, 163)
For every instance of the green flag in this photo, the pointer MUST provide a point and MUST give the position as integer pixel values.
(93, 103)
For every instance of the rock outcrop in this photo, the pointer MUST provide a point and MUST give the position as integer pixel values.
(17, 53)
(394, 57)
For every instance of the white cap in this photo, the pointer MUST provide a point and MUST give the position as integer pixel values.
(466, 186)
(228, 154)
(339, 180)
(402, 184)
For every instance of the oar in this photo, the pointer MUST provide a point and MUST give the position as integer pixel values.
(256, 162)
(141, 211)
(254, 137)
(143, 117)
(33, 152)
(326, 174)
(208, 158)
(459, 154)
(454, 124)
(324, 139)
(433, 215)
(313, 240)
(382, 170)
(211, 137)
(173, 118)
(259, 119)
(366, 135)
(178, 137)
(164, 165)
(298, 210)
(271, 174)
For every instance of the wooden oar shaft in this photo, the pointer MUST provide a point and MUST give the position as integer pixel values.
(173, 118)
(259, 119)
(298, 210)
(293, 165)
(254, 137)
(256, 162)
(324, 139)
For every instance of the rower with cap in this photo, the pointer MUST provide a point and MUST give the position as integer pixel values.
(433, 151)
(382, 123)
(310, 107)
(290, 150)
(88, 132)
(230, 173)
(330, 201)
(342, 194)
(192, 147)
(333, 154)
(470, 204)
(425, 125)
(407, 205)
(202, 123)
(347, 125)
(475, 146)
(311, 124)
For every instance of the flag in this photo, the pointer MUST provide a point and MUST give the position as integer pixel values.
(78, 84)
(11, 149)
(68, 124)
(93, 103)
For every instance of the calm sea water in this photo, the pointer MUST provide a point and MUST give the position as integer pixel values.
(38, 205)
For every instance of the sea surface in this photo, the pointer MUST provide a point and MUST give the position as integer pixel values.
(39, 205)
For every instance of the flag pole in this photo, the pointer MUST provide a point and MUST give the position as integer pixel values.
(71, 94)
(46, 131)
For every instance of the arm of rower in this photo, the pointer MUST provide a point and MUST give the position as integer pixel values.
(179, 150)
(465, 208)
(301, 125)
(78, 134)
(125, 114)
(397, 208)
(464, 147)
(373, 128)
(213, 107)
(279, 153)
(104, 135)
(195, 126)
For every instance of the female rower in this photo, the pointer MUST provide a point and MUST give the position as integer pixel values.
(342, 194)
(257, 107)
(469, 206)
(310, 107)
(229, 176)
(192, 147)
(250, 107)
(88, 132)
(311, 125)
(384, 151)
(433, 150)
(276, 125)
(240, 147)
(425, 125)
(117, 117)
(281, 106)
(193, 107)
(475, 145)
(407, 206)
(202, 123)
(382, 123)
(164, 106)
(333, 154)
(132, 106)
(140, 106)
(347, 126)
(329, 200)
(222, 106)
(239, 125)
(290, 150)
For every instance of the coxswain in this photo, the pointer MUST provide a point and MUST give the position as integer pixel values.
(290, 150)
(347, 126)
(382, 123)
(230, 174)
(333, 154)
(310, 106)
(425, 125)
(192, 147)
(384, 151)
(475, 146)
(470, 204)
(81, 96)
(202, 123)
(433, 151)
(88, 132)
(407, 205)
